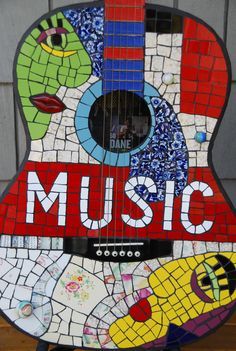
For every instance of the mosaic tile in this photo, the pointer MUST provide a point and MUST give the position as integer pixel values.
(85, 227)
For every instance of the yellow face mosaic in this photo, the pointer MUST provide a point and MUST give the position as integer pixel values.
(116, 233)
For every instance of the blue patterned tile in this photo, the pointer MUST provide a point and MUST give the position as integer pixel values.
(165, 157)
(89, 25)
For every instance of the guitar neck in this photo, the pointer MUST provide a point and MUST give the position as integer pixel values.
(124, 38)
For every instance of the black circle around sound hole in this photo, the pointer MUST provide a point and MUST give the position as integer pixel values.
(119, 121)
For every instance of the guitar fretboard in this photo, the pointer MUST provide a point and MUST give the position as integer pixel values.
(124, 46)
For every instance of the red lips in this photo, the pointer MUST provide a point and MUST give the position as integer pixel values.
(141, 311)
(47, 103)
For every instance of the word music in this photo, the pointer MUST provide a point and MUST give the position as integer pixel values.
(59, 191)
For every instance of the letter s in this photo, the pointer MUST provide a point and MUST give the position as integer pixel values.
(134, 197)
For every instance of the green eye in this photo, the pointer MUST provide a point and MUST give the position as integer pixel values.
(57, 41)
(211, 282)
(216, 278)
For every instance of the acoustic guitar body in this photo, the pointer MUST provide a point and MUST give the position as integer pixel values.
(116, 232)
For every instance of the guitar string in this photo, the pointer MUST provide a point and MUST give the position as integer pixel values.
(129, 237)
(133, 115)
(118, 97)
(120, 109)
(119, 119)
(111, 96)
(127, 117)
(137, 109)
(123, 121)
(103, 147)
(139, 112)
(107, 102)
(129, 114)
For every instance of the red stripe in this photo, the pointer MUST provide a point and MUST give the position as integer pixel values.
(131, 3)
(128, 14)
(124, 53)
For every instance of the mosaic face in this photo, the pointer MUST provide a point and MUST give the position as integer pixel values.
(116, 233)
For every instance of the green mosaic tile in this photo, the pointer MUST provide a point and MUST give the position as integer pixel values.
(37, 130)
(27, 50)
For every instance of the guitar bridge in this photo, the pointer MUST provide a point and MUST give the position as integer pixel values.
(118, 250)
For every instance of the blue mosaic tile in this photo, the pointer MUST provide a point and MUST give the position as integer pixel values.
(136, 65)
(96, 89)
(88, 98)
(89, 25)
(149, 91)
(111, 158)
(123, 41)
(135, 28)
(165, 156)
(99, 153)
(84, 135)
(123, 75)
(82, 124)
(89, 145)
(83, 110)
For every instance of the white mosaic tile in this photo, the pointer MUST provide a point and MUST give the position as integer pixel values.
(164, 39)
(61, 142)
(165, 58)
(190, 125)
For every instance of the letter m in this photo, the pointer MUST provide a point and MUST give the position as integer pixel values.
(58, 190)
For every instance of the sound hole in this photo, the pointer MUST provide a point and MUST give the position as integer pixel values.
(119, 121)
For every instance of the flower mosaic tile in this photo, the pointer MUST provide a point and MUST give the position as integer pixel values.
(116, 233)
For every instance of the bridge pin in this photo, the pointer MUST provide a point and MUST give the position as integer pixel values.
(122, 253)
(99, 252)
(114, 253)
(137, 254)
(107, 253)
(129, 253)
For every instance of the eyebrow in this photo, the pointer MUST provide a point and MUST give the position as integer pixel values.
(40, 28)
(50, 25)
(49, 22)
(59, 22)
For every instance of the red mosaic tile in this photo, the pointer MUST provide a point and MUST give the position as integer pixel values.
(190, 59)
(203, 33)
(190, 28)
(188, 97)
(123, 53)
(216, 50)
(202, 99)
(200, 109)
(205, 87)
(190, 73)
(130, 15)
(204, 47)
(207, 62)
(210, 67)
(220, 64)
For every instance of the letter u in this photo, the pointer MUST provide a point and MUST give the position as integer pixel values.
(84, 204)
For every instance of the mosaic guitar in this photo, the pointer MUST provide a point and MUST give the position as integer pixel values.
(116, 232)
